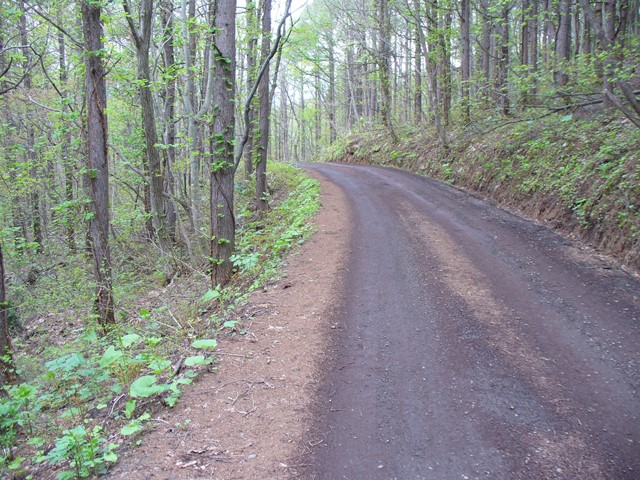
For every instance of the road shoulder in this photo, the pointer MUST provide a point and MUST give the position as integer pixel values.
(250, 418)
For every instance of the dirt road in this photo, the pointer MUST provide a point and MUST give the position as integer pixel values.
(469, 343)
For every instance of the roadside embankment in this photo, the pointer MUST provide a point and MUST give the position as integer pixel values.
(581, 177)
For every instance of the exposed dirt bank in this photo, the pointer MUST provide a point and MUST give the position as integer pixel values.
(580, 177)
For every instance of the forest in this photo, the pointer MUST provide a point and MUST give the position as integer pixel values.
(144, 149)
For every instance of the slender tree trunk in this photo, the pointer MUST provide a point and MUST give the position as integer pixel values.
(487, 30)
(222, 143)
(417, 83)
(97, 163)
(332, 90)
(284, 109)
(502, 87)
(608, 27)
(384, 64)
(193, 131)
(36, 223)
(265, 110)
(445, 38)
(252, 26)
(533, 45)
(67, 162)
(7, 374)
(465, 32)
(170, 133)
(142, 41)
(563, 44)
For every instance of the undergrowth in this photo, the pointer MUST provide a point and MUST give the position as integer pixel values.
(582, 176)
(82, 397)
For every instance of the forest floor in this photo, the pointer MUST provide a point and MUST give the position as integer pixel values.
(421, 333)
(250, 418)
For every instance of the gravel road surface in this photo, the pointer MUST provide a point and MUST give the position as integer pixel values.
(469, 343)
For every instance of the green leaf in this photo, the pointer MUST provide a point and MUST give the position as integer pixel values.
(160, 365)
(210, 295)
(146, 386)
(566, 118)
(196, 360)
(130, 339)
(129, 408)
(230, 323)
(15, 464)
(110, 457)
(210, 343)
(132, 427)
(110, 356)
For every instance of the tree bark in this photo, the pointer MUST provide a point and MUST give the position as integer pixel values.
(36, 223)
(67, 162)
(502, 88)
(97, 163)
(265, 110)
(169, 116)
(252, 26)
(7, 374)
(222, 143)
(465, 33)
(332, 89)
(563, 44)
(384, 64)
(141, 37)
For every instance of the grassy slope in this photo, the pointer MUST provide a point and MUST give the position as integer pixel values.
(582, 177)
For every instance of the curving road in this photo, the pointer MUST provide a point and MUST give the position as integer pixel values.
(470, 343)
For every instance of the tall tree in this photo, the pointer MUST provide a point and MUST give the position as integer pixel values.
(141, 36)
(97, 159)
(222, 141)
(252, 61)
(6, 367)
(465, 34)
(383, 59)
(265, 109)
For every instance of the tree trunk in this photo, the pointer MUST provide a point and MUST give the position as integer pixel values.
(67, 163)
(142, 41)
(465, 33)
(487, 30)
(332, 90)
(417, 83)
(222, 143)
(252, 26)
(445, 38)
(608, 27)
(533, 45)
(502, 87)
(384, 64)
(193, 131)
(97, 164)
(7, 374)
(563, 44)
(265, 110)
(30, 153)
(169, 116)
